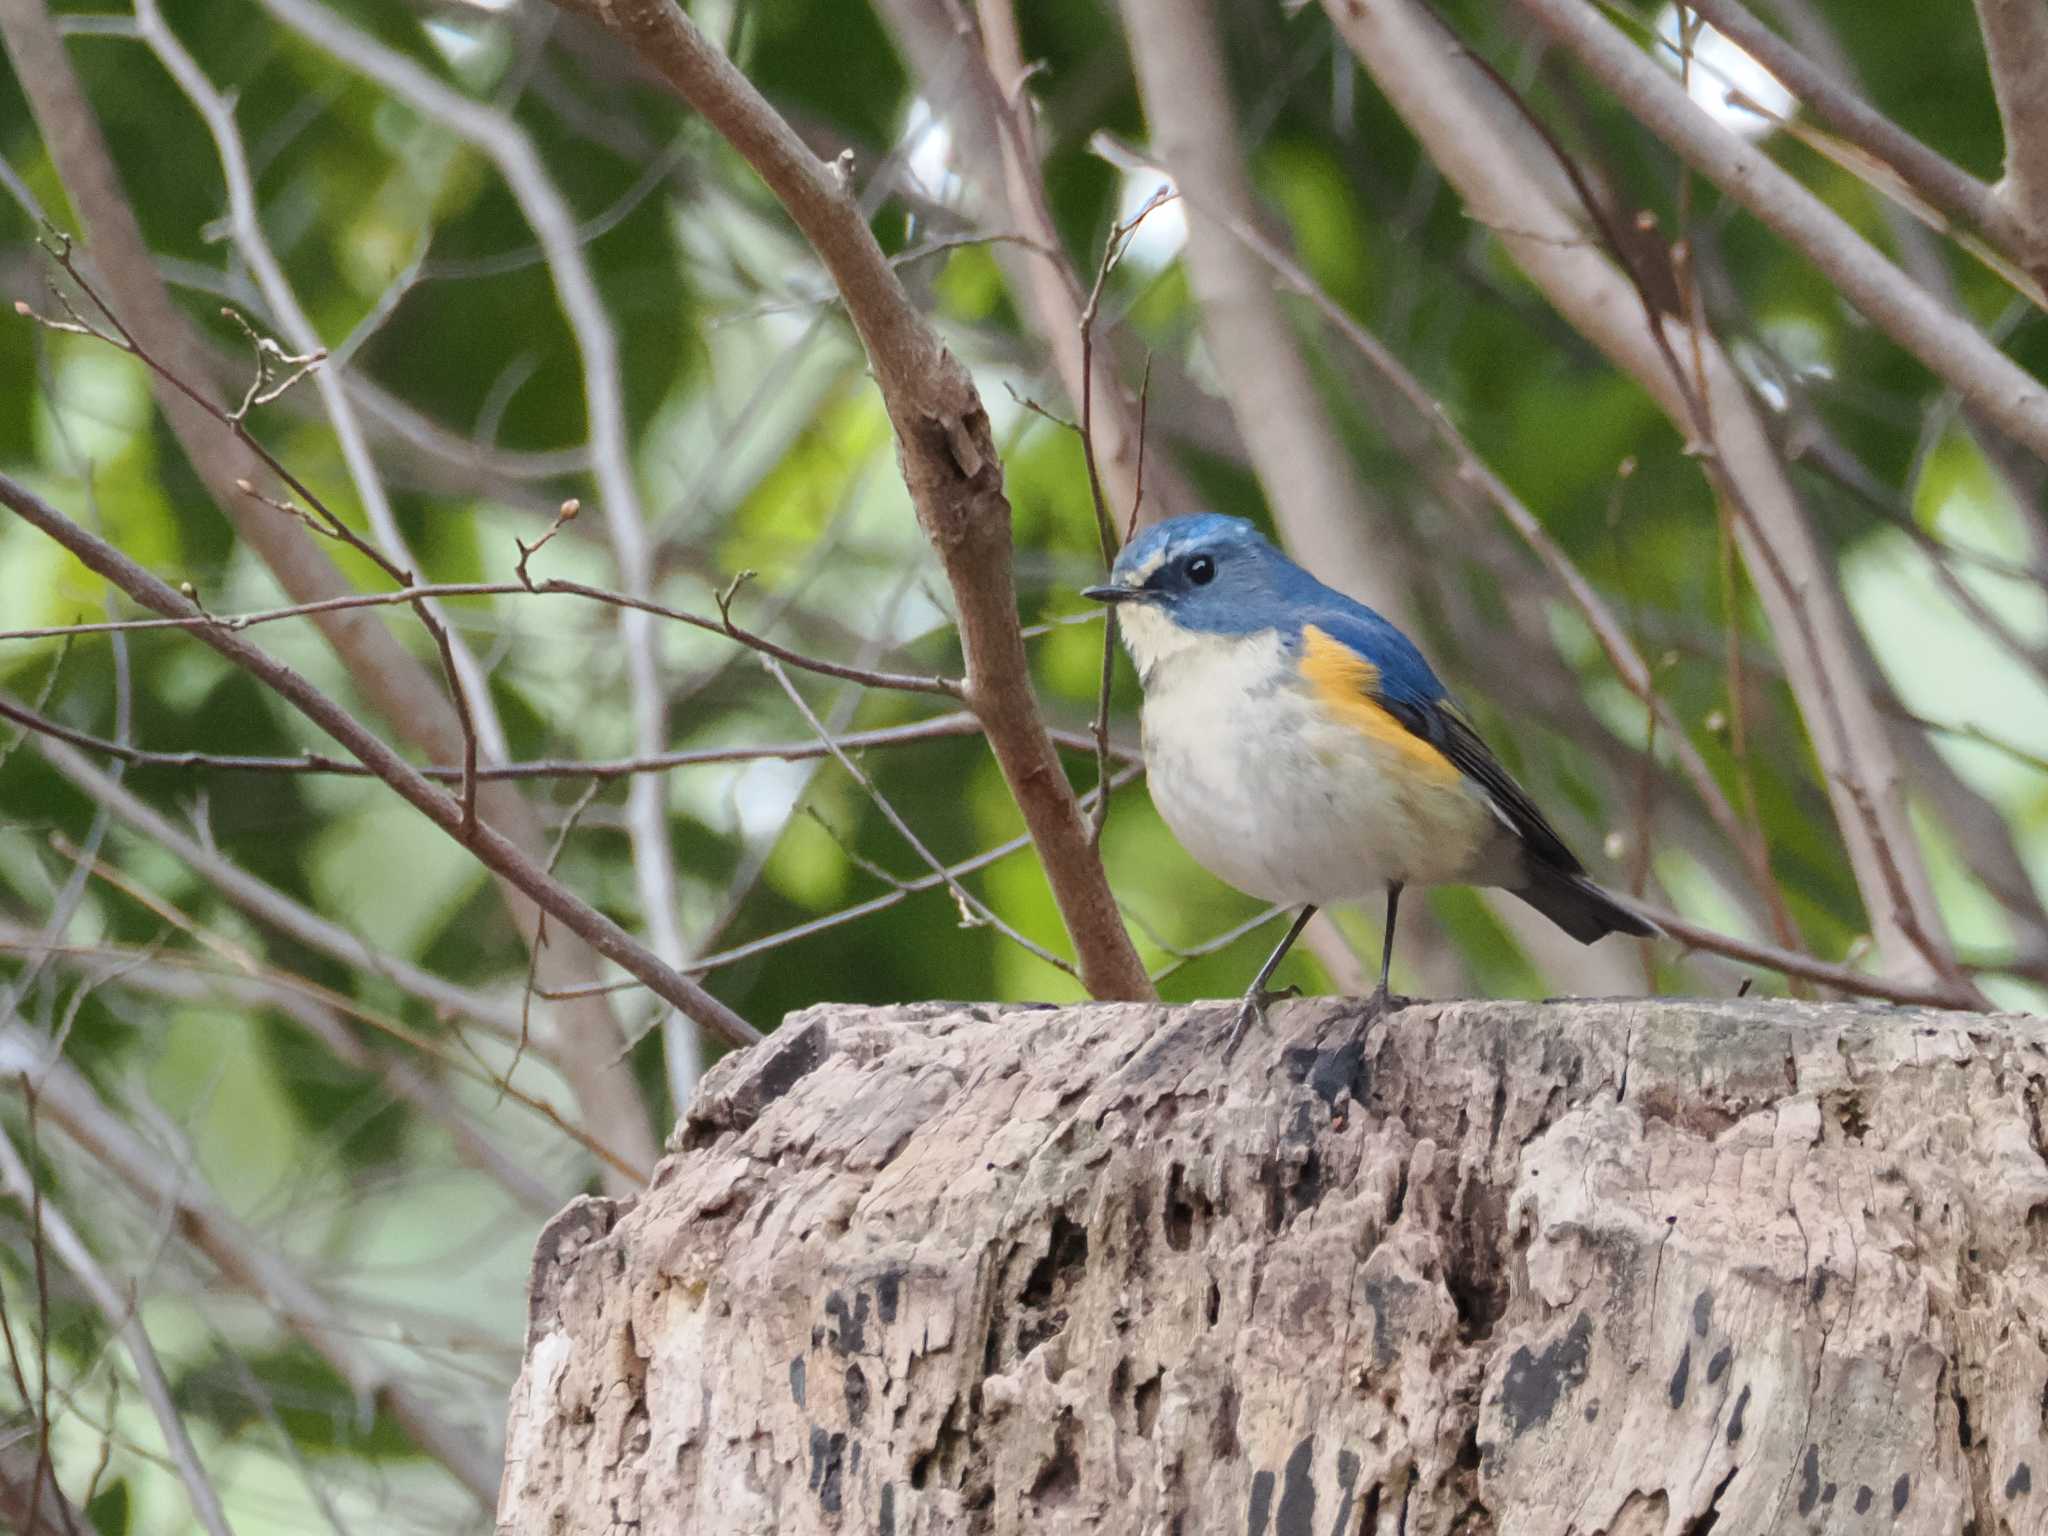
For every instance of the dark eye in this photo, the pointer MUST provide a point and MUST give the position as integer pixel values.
(1201, 570)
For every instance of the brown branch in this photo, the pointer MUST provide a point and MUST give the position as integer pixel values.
(1950, 348)
(902, 682)
(244, 1263)
(1510, 180)
(938, 728)
(1789, 962)
(1622, 653)
(398, 686)
(490, 846)
(972, 69)
(1940, 182)
(2016, 44)
(947, 455)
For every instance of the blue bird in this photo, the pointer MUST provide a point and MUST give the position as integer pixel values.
(1302, 750)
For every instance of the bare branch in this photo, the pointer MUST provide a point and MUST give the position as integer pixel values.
(973, 910)
(938, 728)
(245, 1263)
(1950, 348)
(901, 682)
(947, 455)
(124, 1320)
(2016, 43)
(1788, 962)
(496, 135)
(402, 690)
(1939, 181)
(900, 891)
(974, 74)
(1511, 183)
(486, 842)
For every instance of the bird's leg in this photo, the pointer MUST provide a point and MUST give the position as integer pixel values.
(1255, 1000)
(1382, 1000)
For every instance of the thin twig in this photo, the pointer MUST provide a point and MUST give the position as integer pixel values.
(505, 143)
(769, 943)
(938, 728)
(200, 619)
(946, 452)
(1842, 978)
(244, 1263)
(1931, 176)
(1105, 521)
(491, 847)
(1945, 344)
(328, 523)
(149, 1371)
(974, 912)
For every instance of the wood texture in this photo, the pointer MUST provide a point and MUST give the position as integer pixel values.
(1661, 1266)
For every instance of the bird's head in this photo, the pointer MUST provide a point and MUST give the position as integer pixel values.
(1198, 580)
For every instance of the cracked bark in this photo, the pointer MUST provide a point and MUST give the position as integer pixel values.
(1663, 1266)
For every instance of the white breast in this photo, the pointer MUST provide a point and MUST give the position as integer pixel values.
(1273, 795)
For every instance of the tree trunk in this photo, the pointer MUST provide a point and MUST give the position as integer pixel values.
(1619, 1267)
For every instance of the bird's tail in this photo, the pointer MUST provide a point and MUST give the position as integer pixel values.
(1580, 907)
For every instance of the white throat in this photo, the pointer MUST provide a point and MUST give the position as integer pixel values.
(1152, 638)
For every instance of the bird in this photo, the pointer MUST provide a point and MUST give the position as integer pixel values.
(1301, 748)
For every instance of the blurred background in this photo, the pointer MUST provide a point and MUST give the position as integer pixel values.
(280, 1058)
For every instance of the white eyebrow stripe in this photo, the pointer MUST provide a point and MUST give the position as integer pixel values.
(1141, 573)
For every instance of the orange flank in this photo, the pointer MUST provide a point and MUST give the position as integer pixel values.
(1346, 684)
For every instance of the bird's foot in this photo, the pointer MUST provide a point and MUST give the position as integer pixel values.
(1254, 1007)
(1382, 1002)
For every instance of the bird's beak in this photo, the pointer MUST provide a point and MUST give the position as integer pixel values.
(1112, 594)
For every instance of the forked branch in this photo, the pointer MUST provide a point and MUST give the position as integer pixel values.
(947, 455)
(490, 846)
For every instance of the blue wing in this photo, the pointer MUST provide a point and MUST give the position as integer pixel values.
(1412, 693)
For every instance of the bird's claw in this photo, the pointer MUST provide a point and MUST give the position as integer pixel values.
(1254, 1007)
(1382, 1002)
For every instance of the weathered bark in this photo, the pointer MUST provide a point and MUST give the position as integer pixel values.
(1485, 1267)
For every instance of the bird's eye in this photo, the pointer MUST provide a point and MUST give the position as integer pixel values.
(1201, 570)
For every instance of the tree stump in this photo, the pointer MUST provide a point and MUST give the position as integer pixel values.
(1621, 1267)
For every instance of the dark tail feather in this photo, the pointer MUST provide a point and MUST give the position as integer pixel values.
(1580, 907)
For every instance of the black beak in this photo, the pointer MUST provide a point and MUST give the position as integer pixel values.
(1112, 594)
